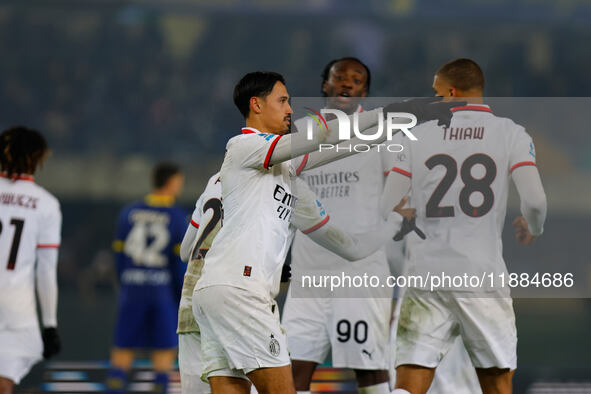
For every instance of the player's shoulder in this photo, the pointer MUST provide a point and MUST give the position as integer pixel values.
(46, 198)
(138, 204)
(251, 136)
(214, 185)
(213, 180)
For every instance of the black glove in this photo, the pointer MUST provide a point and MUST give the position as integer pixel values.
(286, 273)
(51, 342)
(426, 109)
(407, 227)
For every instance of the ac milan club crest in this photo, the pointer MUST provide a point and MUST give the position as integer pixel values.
(274, 347)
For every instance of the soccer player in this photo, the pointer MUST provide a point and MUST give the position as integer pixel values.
(459, 179)
(309, 216)
(316, 326)
(233, 300)
(150, 272)
(30, 234)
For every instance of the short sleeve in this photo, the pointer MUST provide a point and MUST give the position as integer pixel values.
(401, 160)
(523, 151)
(253, 150)
(51, 226)
(309, 213)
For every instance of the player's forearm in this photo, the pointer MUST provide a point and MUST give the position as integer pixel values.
(300, 143)
(533, 198)
(332, 152)
(46, 273)
(356, 246)
(396, 187)
(188, 243)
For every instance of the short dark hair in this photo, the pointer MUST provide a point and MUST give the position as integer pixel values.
(21, 150)
(464, 74)
(162, 172)
(255, 84)
(326, 72)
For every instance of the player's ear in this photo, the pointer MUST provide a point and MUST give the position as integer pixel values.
(324, 87)
(254, 105)
(453, 92)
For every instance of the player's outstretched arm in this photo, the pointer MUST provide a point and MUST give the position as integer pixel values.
(397, 186)
(357, 246)
(533, 204)
(46, 278)
(297, 144)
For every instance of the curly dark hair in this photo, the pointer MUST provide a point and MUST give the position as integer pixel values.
(326, 72)
(21, 150)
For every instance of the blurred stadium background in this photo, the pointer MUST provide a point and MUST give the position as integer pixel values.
(117, 85)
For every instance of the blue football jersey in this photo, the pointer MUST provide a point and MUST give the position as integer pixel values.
(147, 244)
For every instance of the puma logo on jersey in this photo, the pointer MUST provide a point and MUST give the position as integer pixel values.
(366, 352)
(463, 133)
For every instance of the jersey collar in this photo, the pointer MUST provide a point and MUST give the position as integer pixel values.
(249, 130)
(157, 200)
(473, 107)
(18, 177)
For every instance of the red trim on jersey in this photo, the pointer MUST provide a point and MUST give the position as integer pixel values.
(249, 130)
(302, 165)
(48, 246)
(270, 152)
(386, 173)
(196, 225)
(317, 226)
(521, 164)
(401, 171)
(472, 107)
(320, 116)
(19, 177)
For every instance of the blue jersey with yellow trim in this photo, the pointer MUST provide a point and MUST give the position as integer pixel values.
(147, 246)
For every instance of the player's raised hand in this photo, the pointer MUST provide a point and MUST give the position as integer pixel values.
(51, 342)
(426, 109)
(407, 213)
(522, 233)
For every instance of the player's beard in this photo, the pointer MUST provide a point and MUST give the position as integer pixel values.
(289, 123)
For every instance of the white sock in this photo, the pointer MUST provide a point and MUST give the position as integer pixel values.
(303, 392)
(380, 388)
(400, 391)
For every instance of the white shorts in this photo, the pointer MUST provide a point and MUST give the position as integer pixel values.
(430, 321)
(15, 367)
(190, 364)
(240, 330)
(355, 329)
(20, 349)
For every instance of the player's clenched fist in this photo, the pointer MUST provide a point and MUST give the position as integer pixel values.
(522, 233)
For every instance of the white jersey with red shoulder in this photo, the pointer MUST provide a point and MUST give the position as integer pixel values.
(249, 250)
(30, 218)
(351, 189)
(460, 182)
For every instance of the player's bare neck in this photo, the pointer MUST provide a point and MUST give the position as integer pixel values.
(255, 123)
(471, 96)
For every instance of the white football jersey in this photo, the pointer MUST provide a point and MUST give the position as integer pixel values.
(249, 250)
(459, 182)
(30, 218)
(351, 189)
(210, 199)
